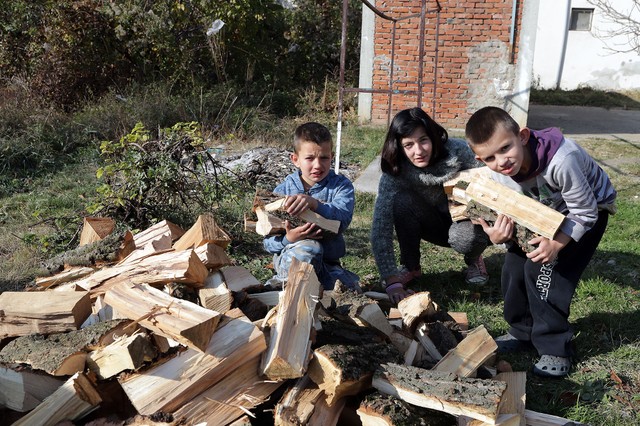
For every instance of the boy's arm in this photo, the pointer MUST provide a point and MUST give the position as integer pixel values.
(341, 205)
(547, 250)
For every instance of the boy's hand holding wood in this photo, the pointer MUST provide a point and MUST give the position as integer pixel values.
(297, 204)
(307, 231)
(547, 250)
(501, 231)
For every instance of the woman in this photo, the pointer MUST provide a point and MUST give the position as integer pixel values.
(417, 158)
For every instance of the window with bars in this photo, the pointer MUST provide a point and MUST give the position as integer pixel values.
(581, 19)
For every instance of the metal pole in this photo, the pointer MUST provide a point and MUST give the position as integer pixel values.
(343, 54)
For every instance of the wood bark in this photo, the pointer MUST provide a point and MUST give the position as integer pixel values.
(289, 345)
(479, 399)
(168, 386)
(76, 398)
(377, 409)
(183, 321)
(23, 313)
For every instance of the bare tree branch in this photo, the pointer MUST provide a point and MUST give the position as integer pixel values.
(625, 26)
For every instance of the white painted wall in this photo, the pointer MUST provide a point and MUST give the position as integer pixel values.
(570, 59)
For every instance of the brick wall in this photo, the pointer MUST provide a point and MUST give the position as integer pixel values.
(473, 58)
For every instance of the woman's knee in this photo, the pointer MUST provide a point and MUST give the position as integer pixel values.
(467, 238)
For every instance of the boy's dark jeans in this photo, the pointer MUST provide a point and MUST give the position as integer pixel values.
(537, 296)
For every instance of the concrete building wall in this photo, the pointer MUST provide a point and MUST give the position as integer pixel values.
(569, 59)
(472, 58)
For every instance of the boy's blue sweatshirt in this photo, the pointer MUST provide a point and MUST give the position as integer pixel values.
(337, 199)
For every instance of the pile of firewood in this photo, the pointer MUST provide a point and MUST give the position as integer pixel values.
(174, 333)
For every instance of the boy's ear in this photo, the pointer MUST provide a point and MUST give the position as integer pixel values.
(294, 159)
(525, 133)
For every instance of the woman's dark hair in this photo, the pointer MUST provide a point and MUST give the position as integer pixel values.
(404, 124)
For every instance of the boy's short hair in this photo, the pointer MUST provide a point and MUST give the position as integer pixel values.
(311, 132)
(484, 122)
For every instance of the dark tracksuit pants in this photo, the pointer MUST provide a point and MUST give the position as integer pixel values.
(537, 296)
(415, 220)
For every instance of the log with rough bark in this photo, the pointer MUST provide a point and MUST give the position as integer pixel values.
(95, 229)
(215, 295)
(183, 321)
(290, 339)
(359, 309)
(418, 306)
(242, 390)
(471, 353)
(168, 386)
(181, 267)
(377, 409)
(58, 354)
(126, 353)
(22, 389)
(45, 312)
(335, 332)
(76, 398)
(478, 399)
(344, 370)
(205, 230)
(526, 211)
(304, 404)
(70, 274)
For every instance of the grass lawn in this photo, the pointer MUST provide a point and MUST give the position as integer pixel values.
(602, 389)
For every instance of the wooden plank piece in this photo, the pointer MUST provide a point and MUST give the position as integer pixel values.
(470, 354)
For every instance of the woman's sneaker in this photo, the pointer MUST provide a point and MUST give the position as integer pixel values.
(477, 273)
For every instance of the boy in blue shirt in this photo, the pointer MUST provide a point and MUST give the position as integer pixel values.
(316, 187)
(538, 286)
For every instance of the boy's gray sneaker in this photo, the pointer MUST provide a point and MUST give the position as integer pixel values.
(509, 343)
(552, 366)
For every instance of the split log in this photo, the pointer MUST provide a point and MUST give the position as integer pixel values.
(534, 418)
(181, 267)
(514, 399)
(238, 278)
(269, 298)
(95, 229)
(183, 321)
(213, 256)
(334, 332)
(437, 338)
(304, 404)
(156, 232)
(205, 230)
(126, 353)
(22, 389)
(359, 309)
(465, 176)
(378, 409)
(289, 345)
(23, 313)
(215, 295)
(168, 386)
(440, 391)
(152, 248)
(269, 224)
(470, 353)
(60, 354)
(70, 274)
(71, 401)
(416, 355)
(530, 213)
(341, 370)
(416, 307)
(229, 399)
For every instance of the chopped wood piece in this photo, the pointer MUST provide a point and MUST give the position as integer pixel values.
(205, 230)
(23, 313)
(514, 399)
(465, 176)
(461, 319)
(168, 386)
(422, 334)
(416, 307)
(534, 418)
(70, 274)
(289, 344)
(71, 401)
(341, 370)
(156, 232)
(337, 332)
(269, 298)
(269, 224)
(229, 399)
(361, 310)
(213, 256)
(183, 321)
(470, 353)
(440, 391)
(161, 245)
(215, 295)
(58, 354)
(181, 267)
(22, 389)
(238, 278)
(95, 229)
(126, 353)
(530, 213)
(378, 409)
(298, 403)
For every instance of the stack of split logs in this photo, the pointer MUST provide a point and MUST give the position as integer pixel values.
(175, 333)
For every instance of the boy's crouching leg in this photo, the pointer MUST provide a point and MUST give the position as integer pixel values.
(309, 251)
